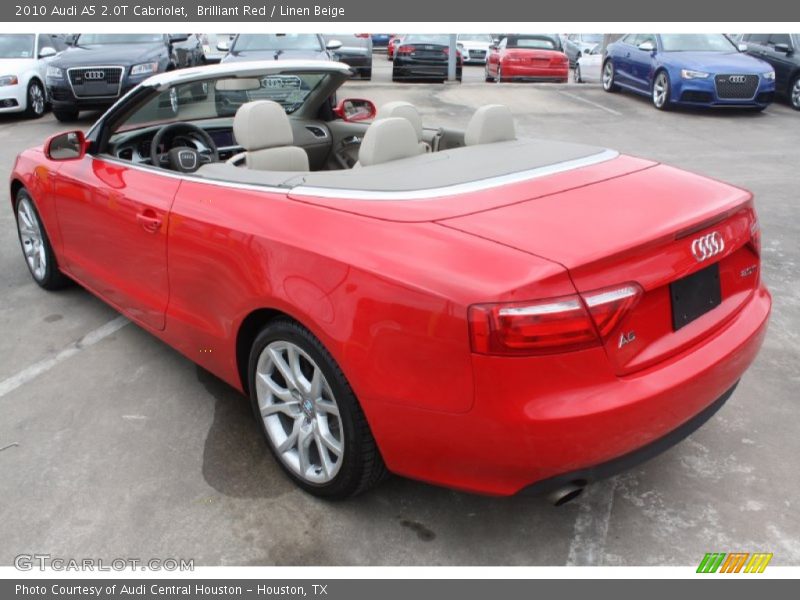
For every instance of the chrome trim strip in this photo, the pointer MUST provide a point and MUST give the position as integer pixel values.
(459, 188)
(350, 194)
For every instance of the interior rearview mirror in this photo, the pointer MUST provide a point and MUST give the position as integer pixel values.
(70, 145)
(178, 37)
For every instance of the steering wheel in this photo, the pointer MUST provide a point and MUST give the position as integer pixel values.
(183, 159)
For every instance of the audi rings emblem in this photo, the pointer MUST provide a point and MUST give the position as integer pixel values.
(94, 75)
(707, 246)
(187, 159)
(737, 79)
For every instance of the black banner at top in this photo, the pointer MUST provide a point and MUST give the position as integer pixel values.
(709, 11)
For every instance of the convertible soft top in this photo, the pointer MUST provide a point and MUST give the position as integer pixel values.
(428, 175)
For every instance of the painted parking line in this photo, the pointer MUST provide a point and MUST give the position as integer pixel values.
(592, 103)
(33, 371)
(588, 544)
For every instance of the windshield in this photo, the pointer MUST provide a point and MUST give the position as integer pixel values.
(16, 45)
(438, 39)
(696, 42)
(475, 37)
(533, 42)
(86, 39)
(592, 38)
(218, 98)
(277, 41)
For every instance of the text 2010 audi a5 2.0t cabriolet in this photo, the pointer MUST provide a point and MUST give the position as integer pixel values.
(467, 308)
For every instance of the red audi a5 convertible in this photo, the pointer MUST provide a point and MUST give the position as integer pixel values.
(464, 307)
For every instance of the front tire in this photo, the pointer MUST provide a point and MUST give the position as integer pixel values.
(35, 244)
(66, 115)
(609, 75)
(36, 101)
(309, 415)
(661, 91)
(794, 93)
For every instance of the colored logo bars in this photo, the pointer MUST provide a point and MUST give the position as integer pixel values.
(734, 562)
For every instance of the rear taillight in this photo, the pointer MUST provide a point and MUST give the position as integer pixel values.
(362, 35)
(552, 325)
(755, 236)
(405, 49)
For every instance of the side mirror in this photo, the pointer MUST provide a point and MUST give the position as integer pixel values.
(783, 48)
(647, 46)
(353, 110)
(742, 47)
(223, 46)
(333, 45)
(47, 51)
(174, 38)
(70, 145)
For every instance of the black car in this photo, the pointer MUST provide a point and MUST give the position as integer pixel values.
(100, 67)
(424, 56)
(782, 51)
(356, 51)
(280, 46)
(189, 53)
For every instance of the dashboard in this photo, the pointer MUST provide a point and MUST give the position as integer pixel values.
(134, 146)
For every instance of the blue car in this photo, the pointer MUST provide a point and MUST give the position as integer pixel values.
(688, 68)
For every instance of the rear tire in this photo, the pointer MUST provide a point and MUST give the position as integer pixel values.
(66, 115)
(310, 417)
(367, 74)
(36, 100)
(35, 244)
(609, 75)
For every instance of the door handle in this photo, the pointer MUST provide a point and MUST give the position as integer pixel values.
(149, 221)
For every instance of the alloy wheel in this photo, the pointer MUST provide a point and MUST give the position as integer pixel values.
(300, 412)
(30, 234)
(608, 76)
(660, 90)
(795, 94)
(36, 99)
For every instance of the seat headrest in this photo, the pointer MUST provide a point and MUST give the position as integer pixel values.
(388, 139)
(403, 110)
(262, 124)
(490, 123)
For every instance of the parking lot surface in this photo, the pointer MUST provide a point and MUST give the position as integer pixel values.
(114, 445)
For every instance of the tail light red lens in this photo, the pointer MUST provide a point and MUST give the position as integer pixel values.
(552, 325)
(755, 237)
(405, 49)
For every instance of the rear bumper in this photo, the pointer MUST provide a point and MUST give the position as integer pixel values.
(557, 418)
(632, 459)
(513, 72)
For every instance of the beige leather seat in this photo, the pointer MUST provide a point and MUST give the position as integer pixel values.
(404, 110)
(491, 123)
(386, 140)
(265, 132)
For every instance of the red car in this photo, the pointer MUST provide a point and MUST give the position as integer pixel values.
(466, 308)
(392, 46)
(527, 57)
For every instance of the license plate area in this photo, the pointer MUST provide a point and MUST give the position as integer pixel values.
(695, 295)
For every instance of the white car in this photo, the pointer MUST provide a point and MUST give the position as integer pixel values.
(474, 47)
(23, 64)
(588, 66)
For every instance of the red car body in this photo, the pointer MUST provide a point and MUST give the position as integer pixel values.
(392, 46)
(393, 307)
(425, 305)
(527, 64)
